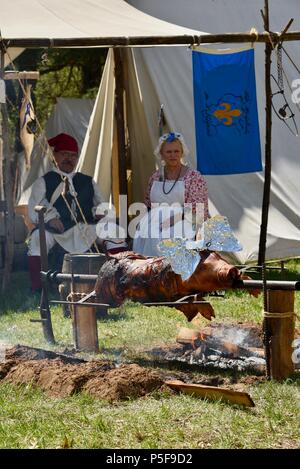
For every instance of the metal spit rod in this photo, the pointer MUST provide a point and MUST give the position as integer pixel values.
(105, 305)
(247, 284)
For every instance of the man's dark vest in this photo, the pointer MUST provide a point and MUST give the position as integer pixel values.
(83, 185)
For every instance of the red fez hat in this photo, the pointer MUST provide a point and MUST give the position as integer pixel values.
(63, 142)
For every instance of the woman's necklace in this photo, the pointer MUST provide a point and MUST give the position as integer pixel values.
(173, 185)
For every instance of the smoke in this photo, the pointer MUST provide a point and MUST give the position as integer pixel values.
(231, 334)
(3, 346)
(7, 340)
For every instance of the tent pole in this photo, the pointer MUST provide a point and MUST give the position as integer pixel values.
(268, 143)
(1, 128)
(119, 113)
(8, 187)
(184, 40)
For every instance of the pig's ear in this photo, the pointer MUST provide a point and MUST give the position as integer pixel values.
(234, 273)
(190, 310)
(252, 291)
(207, 311)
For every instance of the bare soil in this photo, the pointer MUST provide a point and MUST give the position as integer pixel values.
(59, 377)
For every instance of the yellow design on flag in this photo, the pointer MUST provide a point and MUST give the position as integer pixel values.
(226, 114)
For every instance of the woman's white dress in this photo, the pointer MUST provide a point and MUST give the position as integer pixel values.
(154, 226)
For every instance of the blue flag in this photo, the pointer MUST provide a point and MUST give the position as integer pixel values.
(227, 129)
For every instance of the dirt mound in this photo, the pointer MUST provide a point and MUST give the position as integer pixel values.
(54, 376)
(60, 379)
(128, 381)
(5, 367)
(22, 352)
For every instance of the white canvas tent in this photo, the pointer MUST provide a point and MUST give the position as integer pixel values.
(239, 196)
(163, 76)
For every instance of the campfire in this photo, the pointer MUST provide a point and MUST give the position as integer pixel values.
(223, 346)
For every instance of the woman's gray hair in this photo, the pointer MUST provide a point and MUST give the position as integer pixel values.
(171, 137)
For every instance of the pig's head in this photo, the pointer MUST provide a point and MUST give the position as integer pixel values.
(212, 273)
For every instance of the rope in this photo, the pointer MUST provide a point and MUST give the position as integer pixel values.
(279, 66)
(76, 296)
(53, 160)
(274, 315)
(270, 39)
(253, 31)
(76, 222)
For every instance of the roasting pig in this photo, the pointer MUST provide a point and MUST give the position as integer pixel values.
(129, 275)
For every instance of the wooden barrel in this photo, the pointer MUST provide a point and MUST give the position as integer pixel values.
(88, 263)
(84, 319)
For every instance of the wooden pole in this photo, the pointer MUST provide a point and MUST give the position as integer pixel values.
(139, 41)
(14, 75)
(8, 188)
(2, 101)
(268, 144)
(115, 184)
(282, 330)
(44, 304)
(119, 113)
(85, 330)
(84, 317)
(84, 321)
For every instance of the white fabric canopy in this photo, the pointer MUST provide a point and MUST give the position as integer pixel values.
(79, 19)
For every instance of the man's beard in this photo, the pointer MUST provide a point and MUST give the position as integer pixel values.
(67, 167)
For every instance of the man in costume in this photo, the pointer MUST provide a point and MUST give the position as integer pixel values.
(71, 199)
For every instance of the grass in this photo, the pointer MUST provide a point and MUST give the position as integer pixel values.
(30, 419)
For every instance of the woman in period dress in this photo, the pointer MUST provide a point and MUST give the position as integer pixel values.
(174, 185)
